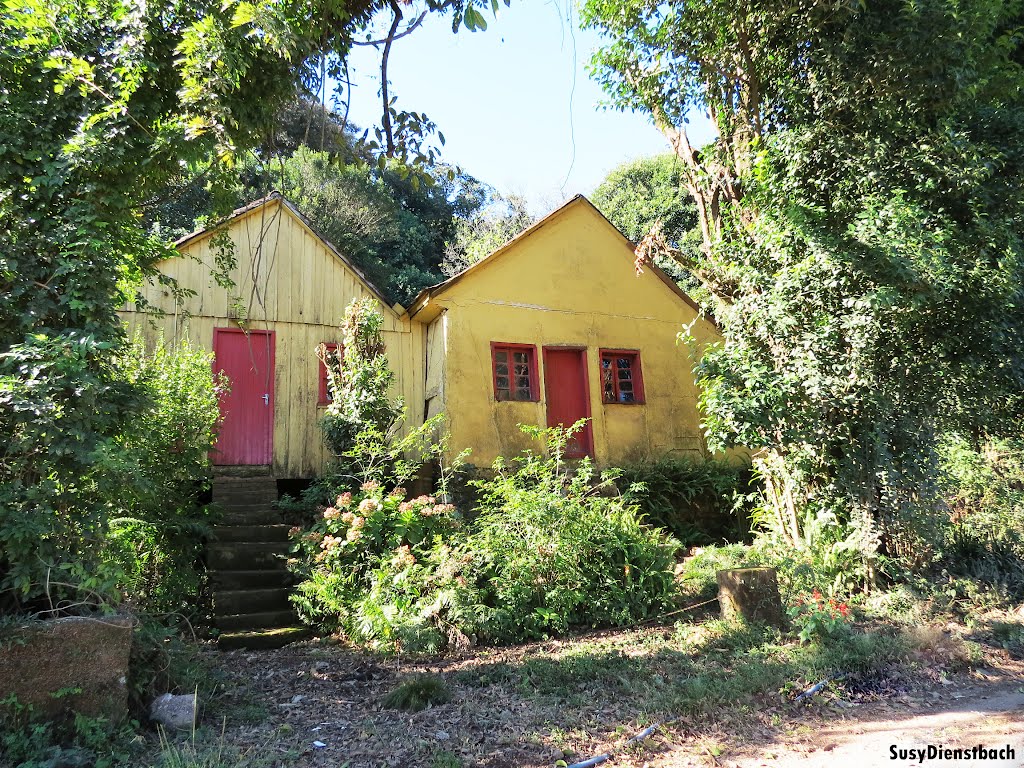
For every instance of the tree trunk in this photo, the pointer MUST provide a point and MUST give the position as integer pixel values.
(751, 594)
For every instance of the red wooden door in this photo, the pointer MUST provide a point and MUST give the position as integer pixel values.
(568, 396)
(246, 432)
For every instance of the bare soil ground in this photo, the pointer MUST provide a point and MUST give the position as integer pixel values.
(313, 705)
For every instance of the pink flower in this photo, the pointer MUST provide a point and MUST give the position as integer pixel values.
(403, 557)
(331, 514)
(330, 542)
(344, 500)
(366, 506)
(347, 517)
(405, 506)
(354, 534)
(370, 486)
(399, 491)
(424, 500)
(358, 522)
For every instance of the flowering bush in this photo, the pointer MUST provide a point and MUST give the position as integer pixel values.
(370, 561)
(818, 617)
(543, 553)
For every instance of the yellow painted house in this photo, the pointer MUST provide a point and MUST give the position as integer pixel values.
(556, 326)
(552, 327)
(290, 288)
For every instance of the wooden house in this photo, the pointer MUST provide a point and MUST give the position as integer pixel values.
(287, 292)
(552, 327)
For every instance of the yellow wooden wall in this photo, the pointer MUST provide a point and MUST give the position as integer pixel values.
(570, 282)
(286, 280)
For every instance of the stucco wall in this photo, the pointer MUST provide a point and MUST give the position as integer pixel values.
(570, 282)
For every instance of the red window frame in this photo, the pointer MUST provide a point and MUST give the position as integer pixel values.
(324, 397)
(636, 376)
(511, 349)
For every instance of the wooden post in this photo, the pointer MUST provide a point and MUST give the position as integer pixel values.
(751, 594)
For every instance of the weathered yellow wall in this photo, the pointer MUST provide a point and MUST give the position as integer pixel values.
(569, 282)
(290, 283)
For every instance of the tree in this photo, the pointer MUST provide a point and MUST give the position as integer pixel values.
(860, 217)
(104, 101)
(640, 193)
(646, 193)
(493, 224)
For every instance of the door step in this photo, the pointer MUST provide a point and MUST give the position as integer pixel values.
(247, 566)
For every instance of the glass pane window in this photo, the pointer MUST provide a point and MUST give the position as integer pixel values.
(621, 381)
(515, 371)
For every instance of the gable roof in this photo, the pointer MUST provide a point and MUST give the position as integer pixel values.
(277, 197)
(424, 296)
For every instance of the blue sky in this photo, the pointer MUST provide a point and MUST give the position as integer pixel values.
(514, 102)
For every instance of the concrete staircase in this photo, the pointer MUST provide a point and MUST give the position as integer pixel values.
(247, 567)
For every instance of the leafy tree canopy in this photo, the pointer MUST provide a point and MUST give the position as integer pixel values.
(860, 218)
(643, 194)
(496, 221)
(104, 102)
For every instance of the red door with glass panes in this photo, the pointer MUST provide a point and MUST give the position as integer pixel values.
(568, 396)
(247, 409)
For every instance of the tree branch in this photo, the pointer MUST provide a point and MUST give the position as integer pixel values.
(386, 118)
(391, 38)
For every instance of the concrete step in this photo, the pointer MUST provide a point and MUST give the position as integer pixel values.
(277, 637)
(251, 533)
(230, 602)
(236, 580)
(240, 502)
(251, 516)
(246, 556)
(264, 619)
(244, 489)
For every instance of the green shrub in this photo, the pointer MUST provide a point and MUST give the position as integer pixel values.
(89, 516)
(358, 379)
(60, 400)
(156, 471)
(981, 545)
(366, 565)
(698, 502)
(417, 693)
(818, 617)
(544, 552)
(28, 741)
(551, 552)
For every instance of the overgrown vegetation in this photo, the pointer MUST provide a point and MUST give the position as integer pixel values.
(698, 501)
(418, 693)
(26, 741)
(130, 526)
(545, 550)
(870, 299)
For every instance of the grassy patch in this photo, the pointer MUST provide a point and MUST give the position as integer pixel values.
(445, 759)
(418, 693)
(203, 749)
(694, 670)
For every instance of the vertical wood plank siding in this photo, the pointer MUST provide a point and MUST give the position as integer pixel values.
(287, 281)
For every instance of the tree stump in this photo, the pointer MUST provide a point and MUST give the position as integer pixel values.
(751, 594)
